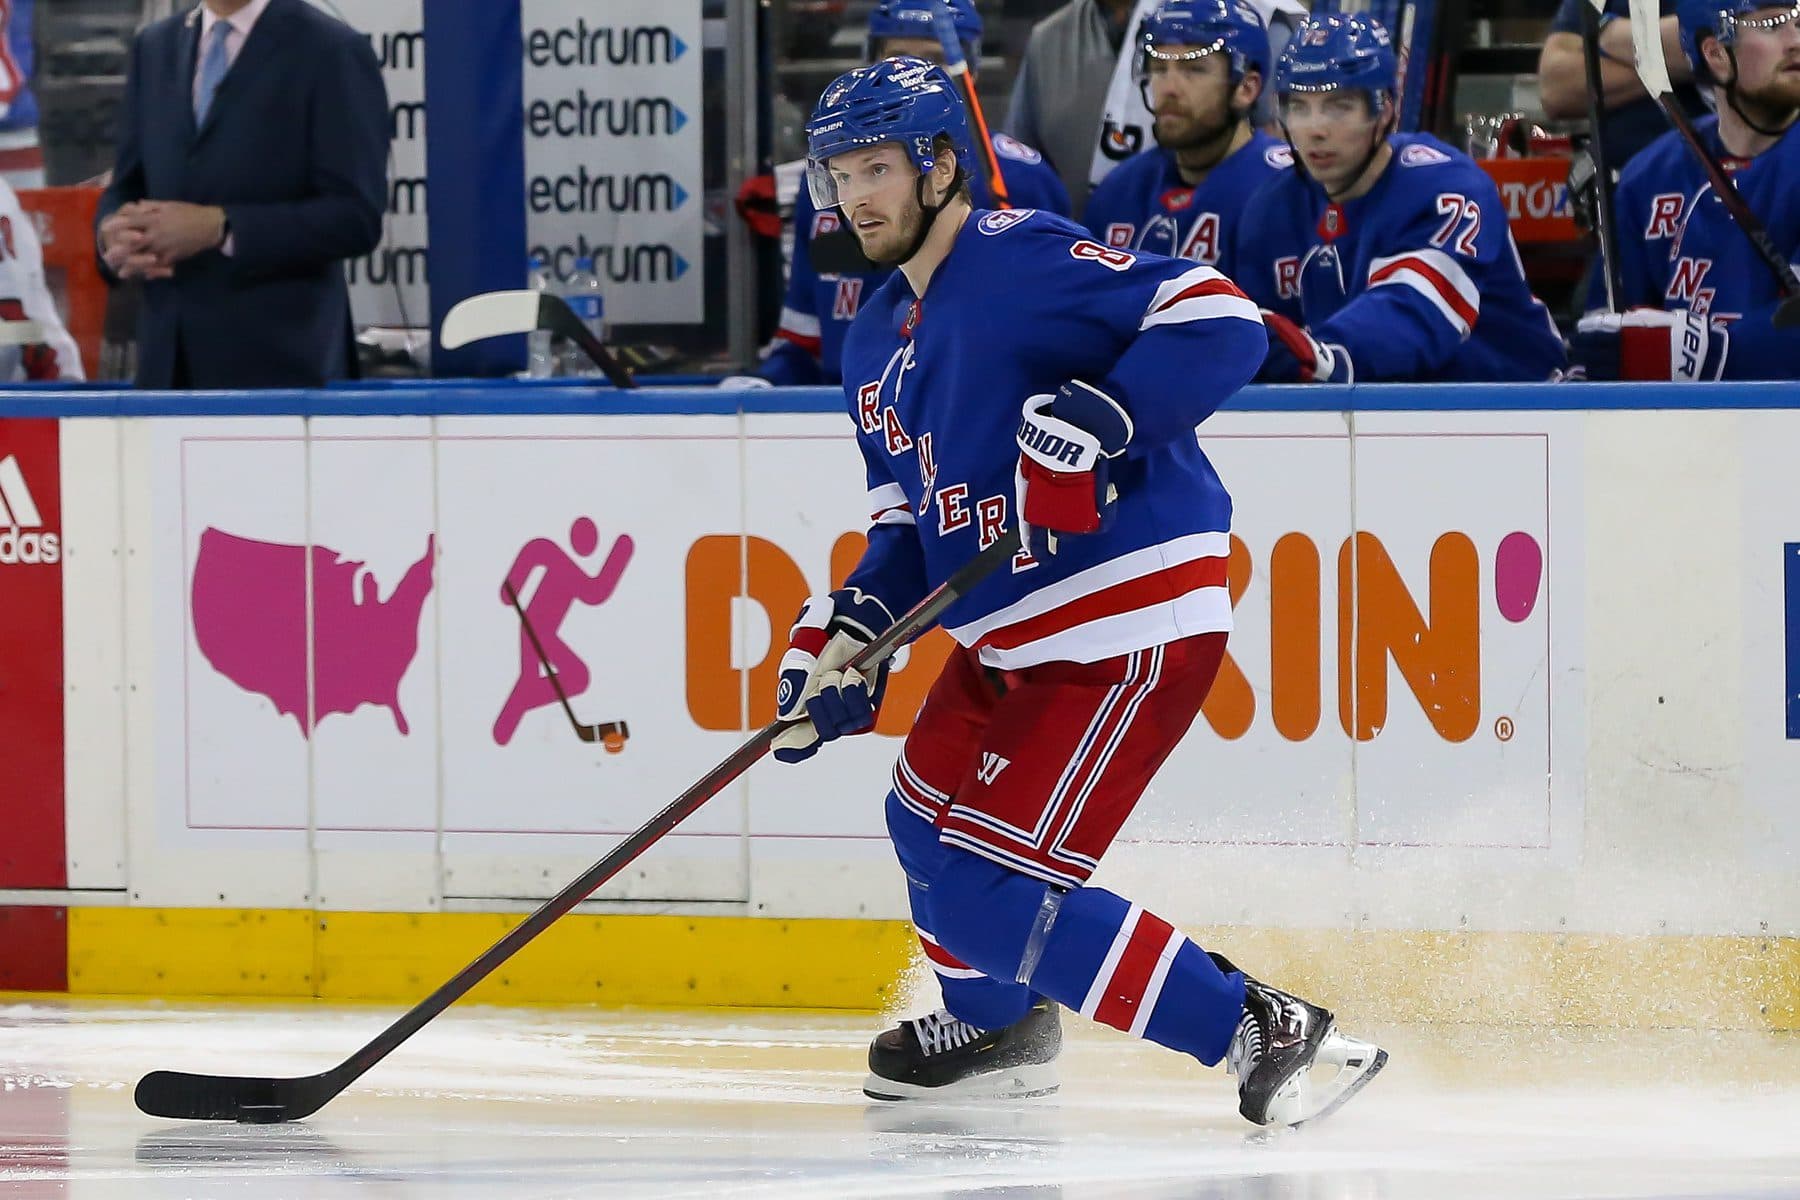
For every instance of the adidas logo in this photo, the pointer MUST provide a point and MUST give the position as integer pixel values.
(19, 519)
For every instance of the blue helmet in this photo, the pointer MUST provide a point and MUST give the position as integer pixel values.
(1335, 51)
(1721, 19)
(904, 100)
(912, 19)
(1206, 27)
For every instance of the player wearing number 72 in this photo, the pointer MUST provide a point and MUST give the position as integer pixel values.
(1381, 256)
(1012, 370)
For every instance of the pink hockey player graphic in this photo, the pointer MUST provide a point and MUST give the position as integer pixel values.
(561, 583)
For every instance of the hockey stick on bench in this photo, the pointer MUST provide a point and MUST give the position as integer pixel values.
(613, 734)
(497, 314)
(1611, 266)
(263, 1101)
(1653, 70)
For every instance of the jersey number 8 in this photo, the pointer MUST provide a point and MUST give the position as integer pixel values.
(1106, 256)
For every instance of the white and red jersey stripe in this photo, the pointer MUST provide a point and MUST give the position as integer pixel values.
(888, 506)
(1142, 598)
(1436, 276)
(800, 328)
(1202, 294)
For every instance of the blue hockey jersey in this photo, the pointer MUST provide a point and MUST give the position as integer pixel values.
(1144, 204)
(1418, 279)
(818, 308)
(1023, 302)
(1680, 249)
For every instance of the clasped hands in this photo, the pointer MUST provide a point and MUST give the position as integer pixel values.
(147, 238)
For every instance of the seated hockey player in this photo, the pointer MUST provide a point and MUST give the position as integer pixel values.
(1201, 67)
(1381, 255)
(1697, 298)
(1013, 370)
(824, 291)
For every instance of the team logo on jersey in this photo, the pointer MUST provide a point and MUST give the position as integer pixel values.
(825, 222)
(1013, 148)
(1665, 215)
(1119, 234)
(1202, 245)
(1686, 284)
(1003, 219)
(1176, 199)
(1280, 157)
(847, 300)
(1287, 277)
(1420, 155)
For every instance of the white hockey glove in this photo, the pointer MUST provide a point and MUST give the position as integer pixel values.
(744, 383)
(817, 690)
(1648, 343)
(1063, 483)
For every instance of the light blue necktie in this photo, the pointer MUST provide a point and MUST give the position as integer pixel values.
(212, 69)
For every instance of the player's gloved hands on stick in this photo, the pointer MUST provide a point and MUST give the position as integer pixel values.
(1296, 356)
(1646, 344)
(1063, 482)
(818, 691)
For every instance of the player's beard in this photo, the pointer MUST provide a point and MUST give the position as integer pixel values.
(889, 243)
(1194, 132)
(1772, 105)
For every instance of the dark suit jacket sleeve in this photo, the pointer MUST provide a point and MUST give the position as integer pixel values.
(348, 155)
(128, 163)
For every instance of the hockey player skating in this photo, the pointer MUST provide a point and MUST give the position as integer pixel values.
(1077, 670)
(823, 296)
(1697, 298)
(1381, 255)
(1201, 66)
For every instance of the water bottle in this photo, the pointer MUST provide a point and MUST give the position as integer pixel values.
(540, 363)
(589, 305)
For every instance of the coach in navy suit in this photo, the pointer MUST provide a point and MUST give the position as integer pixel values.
(252, 162)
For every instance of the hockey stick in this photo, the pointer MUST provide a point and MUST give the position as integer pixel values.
(614, 734)
(1608, 236)
(958, 66)
(263, 1101)
(1653, 70)
(496, 314)
(1403, 55)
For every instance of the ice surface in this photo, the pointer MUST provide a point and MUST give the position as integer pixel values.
(547, 1103)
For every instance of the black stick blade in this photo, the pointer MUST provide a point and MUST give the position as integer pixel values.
(187, 1097)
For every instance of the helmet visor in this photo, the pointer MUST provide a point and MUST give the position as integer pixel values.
(859, 174)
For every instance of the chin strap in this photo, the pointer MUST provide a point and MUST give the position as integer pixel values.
(1375, 143)
(1731, 99)
(931, 212)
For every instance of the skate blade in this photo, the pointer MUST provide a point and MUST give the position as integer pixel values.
(1013, 1083)
(1343, 1067)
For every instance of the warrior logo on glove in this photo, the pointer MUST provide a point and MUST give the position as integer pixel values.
(819, 691)
(1063, 483)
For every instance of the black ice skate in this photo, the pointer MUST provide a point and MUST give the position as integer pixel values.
(939, 1057)
(1291, 1063)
